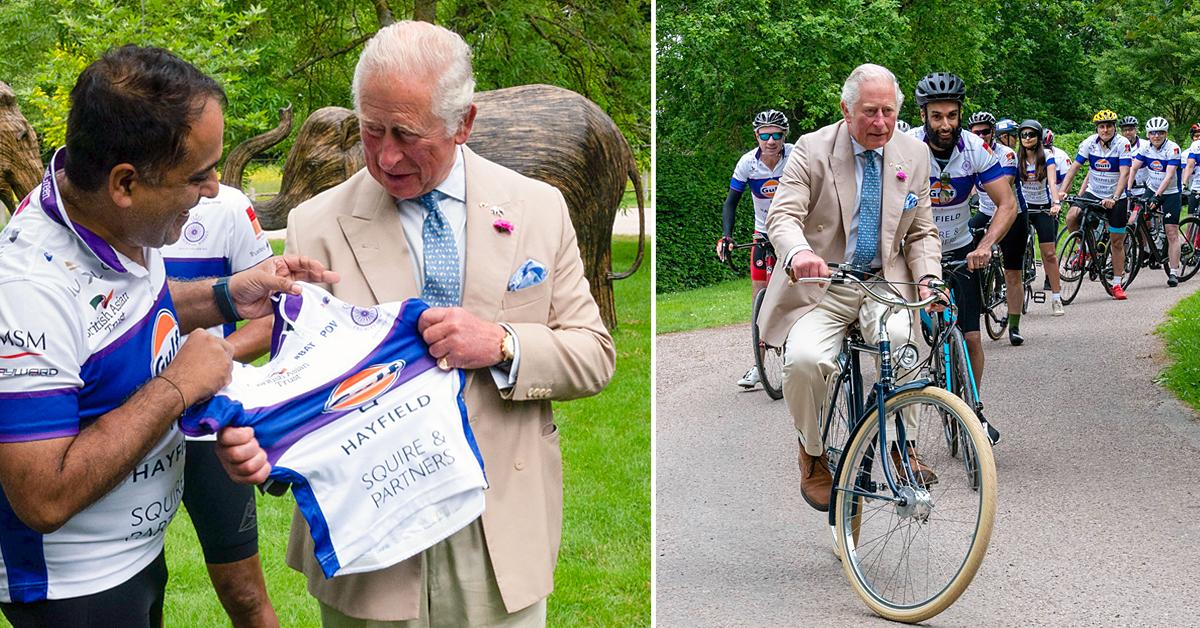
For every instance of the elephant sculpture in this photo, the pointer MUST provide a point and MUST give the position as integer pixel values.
(544, 132)
(20, 156)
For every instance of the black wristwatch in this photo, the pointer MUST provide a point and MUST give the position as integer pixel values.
(224, 300)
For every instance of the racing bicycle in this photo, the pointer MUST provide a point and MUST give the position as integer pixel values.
(768, 359)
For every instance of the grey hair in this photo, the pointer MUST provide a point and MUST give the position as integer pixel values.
(867, 73)
(421, 49)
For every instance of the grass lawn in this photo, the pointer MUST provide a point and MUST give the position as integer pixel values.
(718, 305)
(603, 576)
(1181, 331)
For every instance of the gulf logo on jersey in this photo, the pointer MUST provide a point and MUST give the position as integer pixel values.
(1103, 165)
(768, 188)
(941, 192)
(164, 340)
(1157, 166)
(364, 387)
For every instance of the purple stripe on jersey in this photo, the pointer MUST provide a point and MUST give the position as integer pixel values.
(159, 303)
(49, 199)
(738, 186)
(47, 190)
(466, 423)
(24, 557)
(992, 173)
(39, 416)
(99, 247)
(306, 501)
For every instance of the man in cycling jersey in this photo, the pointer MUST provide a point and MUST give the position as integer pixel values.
(1129, 130)
(959, 162)
(851, 193)
(759, 171)
(1160, 158)
(1190, 158)
(1012, 245)
(1006, 132)
(1108, 158)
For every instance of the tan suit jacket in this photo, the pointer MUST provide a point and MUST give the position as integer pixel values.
(815, 202)
(565, 352)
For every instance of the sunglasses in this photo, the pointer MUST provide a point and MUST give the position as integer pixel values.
(1158, 133)
(770, 136)
(984, 131)
(1029, 136)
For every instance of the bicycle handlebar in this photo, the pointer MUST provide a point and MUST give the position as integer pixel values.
(845, 272)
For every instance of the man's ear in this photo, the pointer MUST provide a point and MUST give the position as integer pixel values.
(464, 129)
(122, 180)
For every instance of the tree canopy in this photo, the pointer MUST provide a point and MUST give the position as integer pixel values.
(268, 53)
(1057, 61)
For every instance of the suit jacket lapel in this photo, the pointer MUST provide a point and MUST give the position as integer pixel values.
(841, 163)
(894, 192)
(376, 237)
(490, 253)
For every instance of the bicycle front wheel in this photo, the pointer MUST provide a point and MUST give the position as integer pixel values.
(1189, 247)
(995, 300)
(768, 359)
(1071, 267)
(911, 560)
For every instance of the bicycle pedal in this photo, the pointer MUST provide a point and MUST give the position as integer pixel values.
(1039, 297)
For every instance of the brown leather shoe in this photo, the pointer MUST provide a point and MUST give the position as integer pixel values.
(815, 480)
(922, 472)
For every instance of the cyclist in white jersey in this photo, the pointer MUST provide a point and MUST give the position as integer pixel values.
(1160, 157)
(1012, 245)
(1108, 158)
(959, 162)
(223, 237)
(1190, 158)
(1129, 130)
(1038, 170)
(1062, 160)
(1006, 133)
(95, 373)
(758, 171)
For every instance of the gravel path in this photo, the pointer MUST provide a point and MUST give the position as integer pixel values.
(1099, 512)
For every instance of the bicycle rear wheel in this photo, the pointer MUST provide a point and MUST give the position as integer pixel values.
(1071, 267)
(910, 562)
(1189, 247)
(1029, 273)
(995, 300)
(767, 358)
(1132, 260)
(1134, 254)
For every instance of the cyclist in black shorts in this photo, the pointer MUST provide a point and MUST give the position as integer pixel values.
(1037, 171)
(1013, 243)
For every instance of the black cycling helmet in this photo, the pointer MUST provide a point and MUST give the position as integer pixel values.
(771, 117)
(1128, 121)
(981, 117)
(940, 86)
(1031, 124)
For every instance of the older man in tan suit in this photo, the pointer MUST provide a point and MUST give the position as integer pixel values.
(426, 212)
(853, 192)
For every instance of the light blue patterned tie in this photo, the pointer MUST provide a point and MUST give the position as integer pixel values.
(442, 285)
(868, 214)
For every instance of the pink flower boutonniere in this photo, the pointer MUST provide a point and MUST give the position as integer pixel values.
(503, 226)
(903, 176)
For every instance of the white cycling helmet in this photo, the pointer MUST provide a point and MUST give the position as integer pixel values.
(1157, 123)
(771, 117)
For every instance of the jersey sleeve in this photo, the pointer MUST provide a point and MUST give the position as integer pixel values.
(248, 245)
(1084, 151)
(741, 175)
(1175, 157)
(988, 168)
(1125, 158)
(40, 357)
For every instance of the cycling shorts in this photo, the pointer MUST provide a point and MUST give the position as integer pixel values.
(222, 511)
(1193, 201)
(1172, 204)
(1118, 215)
(762, 262)
(1012, 245)
(965, 284)
(137, 603)
(1044, 224)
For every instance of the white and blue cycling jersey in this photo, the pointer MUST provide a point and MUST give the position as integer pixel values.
(1008, 164)
(971, 165)
(222, 237)
(1155, 161)
(1139, 179)
(1104, 163)
(354, 413)
(1033, 190)
(1062, 163)
(762, 181)
(1193, 152)
(82, 327)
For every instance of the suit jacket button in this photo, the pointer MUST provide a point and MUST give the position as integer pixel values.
(519, 465)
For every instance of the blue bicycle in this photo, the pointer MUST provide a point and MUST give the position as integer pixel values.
(912, 526)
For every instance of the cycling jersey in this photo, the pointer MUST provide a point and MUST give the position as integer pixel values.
(1033, 190)
(1104, 163)
(1062, 163)
(1154, 161)
(82, 327)
(1008, 164)
(222, 237)
(762, 181)
(1139, 179)
(971, 164)
(1193, 152)
(354, 413)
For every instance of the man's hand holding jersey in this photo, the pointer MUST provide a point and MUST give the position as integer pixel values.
(252, 288)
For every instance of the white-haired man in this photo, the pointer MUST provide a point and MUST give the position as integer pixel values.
(842, 199)
(430, 218)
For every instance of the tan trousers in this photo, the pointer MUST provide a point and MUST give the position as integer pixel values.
(460, 590)
(812, 347)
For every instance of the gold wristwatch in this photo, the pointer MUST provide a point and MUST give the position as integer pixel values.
(507, 349)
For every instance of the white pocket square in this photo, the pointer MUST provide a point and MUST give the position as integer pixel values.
(531, 273)
(910, 201)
